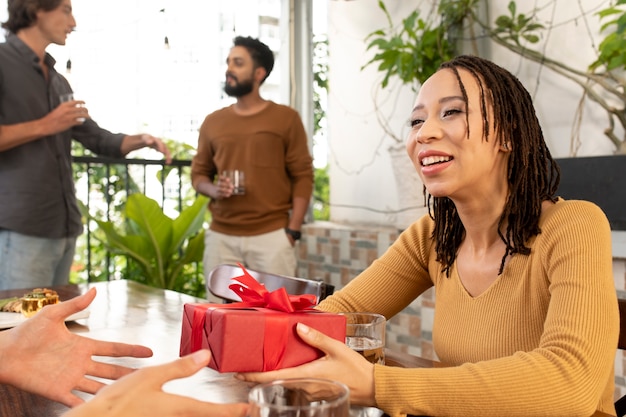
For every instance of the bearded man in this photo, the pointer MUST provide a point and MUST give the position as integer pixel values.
(266, 141)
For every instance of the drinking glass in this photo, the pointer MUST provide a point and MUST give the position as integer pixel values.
(365, 333)
(300, 397)
(70, 97)
(238, 179)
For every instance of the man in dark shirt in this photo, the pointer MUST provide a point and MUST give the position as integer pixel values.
(39, 216)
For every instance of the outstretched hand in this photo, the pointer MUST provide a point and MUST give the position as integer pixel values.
(43, 345)
(143, 140)
(155, 143)
(340, 363)
(141, 394)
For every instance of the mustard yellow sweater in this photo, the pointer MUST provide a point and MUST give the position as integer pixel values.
(540, 341)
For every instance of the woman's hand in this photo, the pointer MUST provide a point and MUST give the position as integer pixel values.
(43, 357)
(340, 363)
(141, 394)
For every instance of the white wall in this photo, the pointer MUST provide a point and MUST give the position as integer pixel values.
(573, 40)
(363, 189)
(360, 165)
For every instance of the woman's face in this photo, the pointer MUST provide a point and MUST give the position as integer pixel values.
(450, 163)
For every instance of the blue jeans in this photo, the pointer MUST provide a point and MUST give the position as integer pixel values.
(34, 262)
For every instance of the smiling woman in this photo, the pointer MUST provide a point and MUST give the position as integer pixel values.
(519, 294)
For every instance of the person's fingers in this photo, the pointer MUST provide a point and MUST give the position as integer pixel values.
(166, 152)
(107, 370)
(185, 366)
(88, 385)
(332, 348)
(318, 339)
(69, 399)
(157, 144)
(229, 410)
(116, 349)
(191, 407)
(66, 308)
(160, 374)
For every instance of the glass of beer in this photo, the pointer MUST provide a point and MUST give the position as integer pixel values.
(300, 397)
(365, 333)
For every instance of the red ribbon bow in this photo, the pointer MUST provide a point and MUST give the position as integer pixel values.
(254, 294)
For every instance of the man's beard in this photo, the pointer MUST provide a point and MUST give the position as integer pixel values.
(239, 89)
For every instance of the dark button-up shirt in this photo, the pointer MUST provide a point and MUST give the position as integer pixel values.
(37, 194)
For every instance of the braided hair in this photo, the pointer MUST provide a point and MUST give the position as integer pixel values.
(533, 175)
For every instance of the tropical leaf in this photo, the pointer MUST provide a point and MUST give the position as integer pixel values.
(188, 222)
(160, 246)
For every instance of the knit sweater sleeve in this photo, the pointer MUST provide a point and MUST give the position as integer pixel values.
(563, 365)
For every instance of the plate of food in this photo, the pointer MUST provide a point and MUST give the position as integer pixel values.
(16, 310)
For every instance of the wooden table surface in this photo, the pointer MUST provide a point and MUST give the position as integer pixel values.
(129, 312)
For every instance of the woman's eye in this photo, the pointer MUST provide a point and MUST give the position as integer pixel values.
(451, 112)
(415, 122)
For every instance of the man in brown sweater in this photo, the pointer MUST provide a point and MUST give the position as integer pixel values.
(268, 143)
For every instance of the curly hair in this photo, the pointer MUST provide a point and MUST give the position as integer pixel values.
(23, 13)
(261, 54)
(533, 175)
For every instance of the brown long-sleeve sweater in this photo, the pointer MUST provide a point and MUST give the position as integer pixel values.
(540, 341)
(271, 148)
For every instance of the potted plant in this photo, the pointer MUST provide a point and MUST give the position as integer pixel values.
(160, 247)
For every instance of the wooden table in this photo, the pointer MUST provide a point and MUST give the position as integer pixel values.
(129, 312)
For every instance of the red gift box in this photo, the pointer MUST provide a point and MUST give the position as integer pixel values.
(258, 334)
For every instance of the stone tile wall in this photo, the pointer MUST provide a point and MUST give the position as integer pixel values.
(337, 253)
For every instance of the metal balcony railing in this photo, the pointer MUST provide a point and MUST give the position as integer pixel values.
(102, 186)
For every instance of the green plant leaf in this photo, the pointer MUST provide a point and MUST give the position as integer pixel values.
(160, 246)
(608, 12)
(512, 8)
(192, 253)
(400, 49)
(532, 38)
(153, 224)
(188, 222)
(133, 246)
